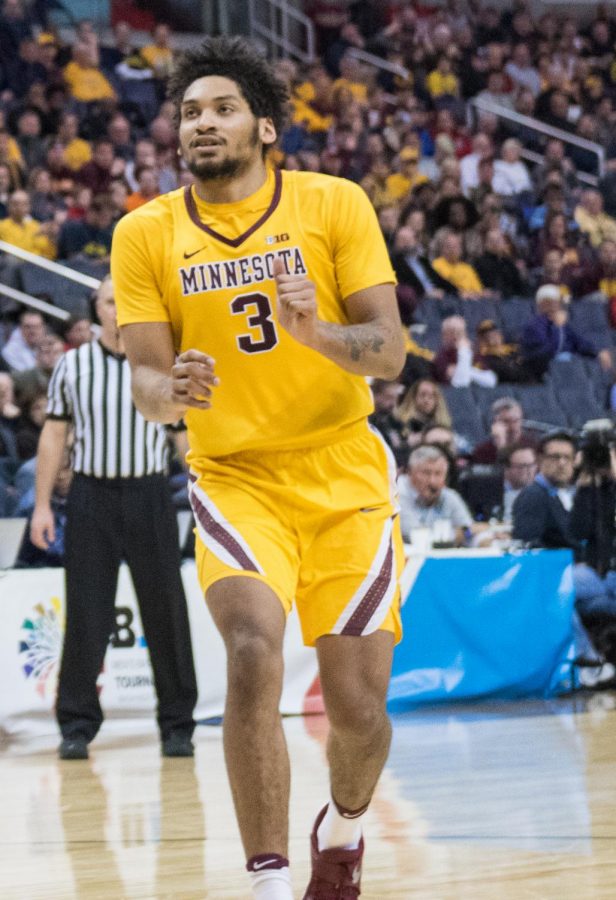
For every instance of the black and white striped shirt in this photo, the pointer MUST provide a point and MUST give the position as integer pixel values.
(90, 387)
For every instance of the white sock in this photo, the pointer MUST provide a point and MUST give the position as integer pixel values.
(337, 831)
(271, 884)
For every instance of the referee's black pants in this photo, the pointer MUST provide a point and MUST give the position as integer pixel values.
(110, 520)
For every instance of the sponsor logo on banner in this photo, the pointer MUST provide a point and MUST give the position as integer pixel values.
(126, 672)
(40, 645)
(128, 675)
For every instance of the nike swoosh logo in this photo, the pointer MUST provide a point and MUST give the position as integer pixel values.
(194, 253)
(367, 509)
(262, 865)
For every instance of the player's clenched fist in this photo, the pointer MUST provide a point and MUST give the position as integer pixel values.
(192, 379)
(297, 305)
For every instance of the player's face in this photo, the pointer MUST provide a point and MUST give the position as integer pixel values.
(220, 138)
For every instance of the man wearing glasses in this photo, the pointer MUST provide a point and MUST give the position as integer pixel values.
(541, 518)
(541, 512)
(519, 470)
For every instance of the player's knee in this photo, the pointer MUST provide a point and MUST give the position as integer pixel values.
(359, 716)
(253, 661)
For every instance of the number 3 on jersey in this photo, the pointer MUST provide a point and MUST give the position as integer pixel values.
(259, 311)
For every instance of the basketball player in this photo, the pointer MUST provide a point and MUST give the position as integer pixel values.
(254, 303)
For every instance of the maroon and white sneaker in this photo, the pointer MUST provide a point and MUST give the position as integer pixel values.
(336, 873)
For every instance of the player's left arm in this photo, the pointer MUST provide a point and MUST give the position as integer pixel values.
(372, 342)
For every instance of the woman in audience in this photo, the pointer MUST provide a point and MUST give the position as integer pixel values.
(422, 405)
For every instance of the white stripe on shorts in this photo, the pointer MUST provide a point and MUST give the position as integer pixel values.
(377, 617)
(219, 535)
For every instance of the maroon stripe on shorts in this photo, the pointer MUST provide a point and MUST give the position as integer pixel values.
(372, 598)
(221, 535)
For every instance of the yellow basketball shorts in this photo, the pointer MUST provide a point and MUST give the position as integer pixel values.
(319, 526)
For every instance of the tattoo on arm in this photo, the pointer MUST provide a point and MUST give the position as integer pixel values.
(364, 348)
(358, 340)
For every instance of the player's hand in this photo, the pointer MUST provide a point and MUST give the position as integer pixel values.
(42, 527)
(192, 380)
(297, 305)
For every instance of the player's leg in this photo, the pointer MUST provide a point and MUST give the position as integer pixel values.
(355, 674)
(348, 602)
(251, 620)
(248, 558)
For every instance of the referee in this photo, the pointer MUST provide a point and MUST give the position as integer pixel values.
(119, 507)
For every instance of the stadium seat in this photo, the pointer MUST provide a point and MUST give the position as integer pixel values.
(514, 314)
(67, 295)
(432, 312)
(475, 311)
(540, 403)
(140, 101)
(580, 404)
(590, 318)
(601, 381)
(465, 416)
(567, 372)
(431, 338)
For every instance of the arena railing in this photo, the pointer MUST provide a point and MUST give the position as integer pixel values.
(34, 303)
(286, 30)
(50, 266)
(502, 112)
(378, 62)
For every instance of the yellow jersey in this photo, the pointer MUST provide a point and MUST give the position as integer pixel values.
(28, 236)
(77, 153)
(207, 269)
(439, 84)
(398, 185)
(87, 83)
(460, 274)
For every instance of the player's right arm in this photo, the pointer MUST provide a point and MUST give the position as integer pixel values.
(164, 387)
(50, 454)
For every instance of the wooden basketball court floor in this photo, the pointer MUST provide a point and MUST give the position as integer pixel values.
(501, 801)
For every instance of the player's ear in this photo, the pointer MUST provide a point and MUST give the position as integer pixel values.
(267, 132)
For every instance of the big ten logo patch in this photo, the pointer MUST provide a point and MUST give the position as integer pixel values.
(125, 633)
(277, 238)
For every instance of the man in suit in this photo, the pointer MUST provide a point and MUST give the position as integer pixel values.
(541, 517)
(415, 270)
(541, 511)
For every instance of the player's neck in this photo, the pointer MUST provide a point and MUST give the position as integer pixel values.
(235, 189)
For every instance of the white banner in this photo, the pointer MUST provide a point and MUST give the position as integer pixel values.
(31, 629)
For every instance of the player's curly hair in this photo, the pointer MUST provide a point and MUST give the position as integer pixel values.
(237, 59)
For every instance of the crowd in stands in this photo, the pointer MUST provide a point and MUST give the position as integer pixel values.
(476, 231)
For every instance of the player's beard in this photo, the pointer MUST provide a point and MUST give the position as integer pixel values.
(229, 168)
